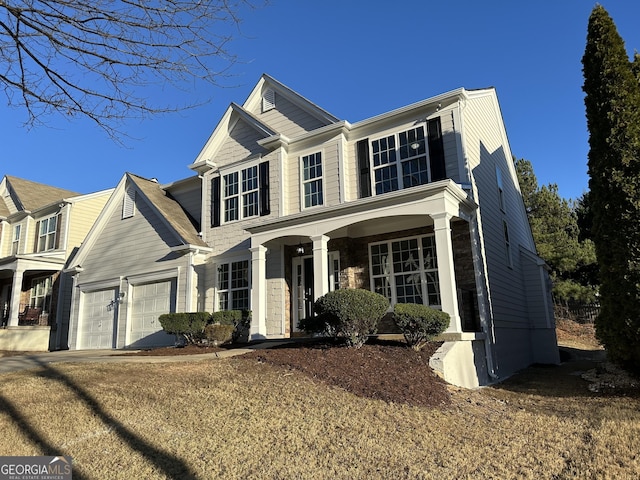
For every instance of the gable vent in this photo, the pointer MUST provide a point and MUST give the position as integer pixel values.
(268, 100)
(129, 202)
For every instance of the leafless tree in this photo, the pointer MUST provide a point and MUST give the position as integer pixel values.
(94, 58)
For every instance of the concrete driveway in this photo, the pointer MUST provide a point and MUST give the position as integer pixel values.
(35, 360)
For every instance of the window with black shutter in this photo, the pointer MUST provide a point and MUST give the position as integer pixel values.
(215, 202)
(436, 150)
(363, 166)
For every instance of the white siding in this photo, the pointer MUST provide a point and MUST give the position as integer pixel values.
(287, 118)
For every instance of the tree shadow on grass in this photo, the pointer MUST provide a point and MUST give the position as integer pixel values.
(167, 463)
(564, 380)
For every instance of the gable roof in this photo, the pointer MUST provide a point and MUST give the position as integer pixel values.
(234, 112)
(4, 210)
(168, 209)
(34, 195)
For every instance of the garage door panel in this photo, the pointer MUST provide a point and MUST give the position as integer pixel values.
(98, 318)
(149, 301)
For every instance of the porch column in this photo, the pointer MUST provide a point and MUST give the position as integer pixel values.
(320, 266)
(16, 289)
(446, 271)
(258, 292)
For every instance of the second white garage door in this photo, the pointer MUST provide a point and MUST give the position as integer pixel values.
(148, 302)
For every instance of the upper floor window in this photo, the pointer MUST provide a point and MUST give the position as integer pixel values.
(500, 189)
(312, 180)
(402, 160)
(47, 233)
(240, 194)
(241, 197)
(16, 239)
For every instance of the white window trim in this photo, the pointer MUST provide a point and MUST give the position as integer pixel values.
(15, 241)
(48, 234)
(32, 296)
(218, 290)
(303, 182)
(399, 161)
(238, 169)
(507, 243)
(499, 183)
(391, 275)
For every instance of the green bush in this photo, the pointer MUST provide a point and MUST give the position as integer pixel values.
(352, 314)
(219, 334)
(240, 319)
(189, 326)
(227, 317)
(419, 323)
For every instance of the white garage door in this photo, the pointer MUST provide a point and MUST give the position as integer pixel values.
(148, 302)
(98, 318)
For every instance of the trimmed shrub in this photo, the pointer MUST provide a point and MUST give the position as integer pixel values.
(419, 323)
(227, 317)
(189, 326)
(352, 314)
(240, 319)
(218, 334)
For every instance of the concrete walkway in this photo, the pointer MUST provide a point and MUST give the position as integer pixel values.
(35, 360)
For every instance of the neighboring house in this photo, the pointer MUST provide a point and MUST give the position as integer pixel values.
(40, 227)
(420, 204)
(140, 260)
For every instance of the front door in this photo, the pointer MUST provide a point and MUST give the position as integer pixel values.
(303, 293)
(303, 281)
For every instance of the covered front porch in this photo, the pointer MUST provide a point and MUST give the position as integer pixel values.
(412, 246)
(28, 294)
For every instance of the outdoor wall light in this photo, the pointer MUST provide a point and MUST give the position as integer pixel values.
(300, 250)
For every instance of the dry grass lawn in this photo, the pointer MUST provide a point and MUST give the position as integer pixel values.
(238, 418)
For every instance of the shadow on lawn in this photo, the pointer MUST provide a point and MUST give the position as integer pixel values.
(564, 380)
(168, 464)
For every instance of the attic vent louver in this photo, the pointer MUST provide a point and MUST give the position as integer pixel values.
(128, 207)
(268, 100)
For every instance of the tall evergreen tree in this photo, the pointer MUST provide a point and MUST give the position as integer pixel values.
(554, 225)
(613, 117)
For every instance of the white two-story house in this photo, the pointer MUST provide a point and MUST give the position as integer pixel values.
(420, 204)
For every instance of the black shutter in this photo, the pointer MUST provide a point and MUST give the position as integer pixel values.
(436, 150)
(263, 189)
(58, 232)
(35, 246)
(215, 202)
(363, 166)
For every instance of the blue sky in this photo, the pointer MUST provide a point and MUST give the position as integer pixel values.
(358, 59)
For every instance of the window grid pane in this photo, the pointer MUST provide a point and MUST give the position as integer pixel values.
(410, 275)
(312, 180)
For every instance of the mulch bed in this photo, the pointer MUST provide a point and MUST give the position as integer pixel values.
(172, 351)
(383, 370)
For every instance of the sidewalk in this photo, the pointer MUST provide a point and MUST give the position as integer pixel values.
(24, 362)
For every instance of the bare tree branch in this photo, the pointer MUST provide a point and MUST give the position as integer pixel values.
(94, 58)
